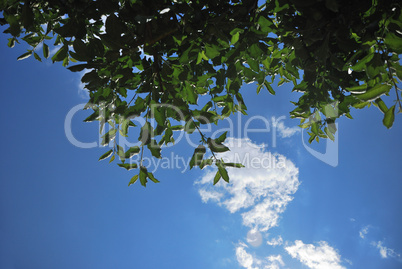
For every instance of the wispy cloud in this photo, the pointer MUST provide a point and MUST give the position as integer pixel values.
(364, 231)
(384, 251)
(283, 130)
(261, 190)
(275, 241)
(249, 261)
(321, 256)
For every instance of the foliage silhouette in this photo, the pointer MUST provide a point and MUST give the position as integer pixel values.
(182, 60)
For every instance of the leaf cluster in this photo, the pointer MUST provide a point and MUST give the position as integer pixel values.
(185, 61)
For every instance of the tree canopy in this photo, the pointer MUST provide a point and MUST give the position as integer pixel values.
(185, 61)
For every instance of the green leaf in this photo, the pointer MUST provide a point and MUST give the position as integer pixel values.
(106, 155)
(211, 51)
(25, 55)
(77, 68)
(11, 42)
(45, 49)
(393, 42)
(389, 117)
(214, 147)
(259, 88)
(189, 127)
(205, 163)
(381, 105)
(197, 157)
(236, 165)
(221, 138)
(37, 57)
(199, 58)
(109, 136)
(128, 166)
(192, 97)
(133, 180)
(265, 24)
(132, 151)
(222, 171)
(312, 136)
(151, 177)
(217, 177)
(120, 152)
(61, 54)
(361, 65)
(143, 175)
(92, 117)
(358, 89)
(235, 38)
(145, 133)
(155, 149)
(329, 134)
(112, 159)
(269, 87)
(374, 92)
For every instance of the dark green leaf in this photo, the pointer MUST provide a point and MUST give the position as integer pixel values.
(106, 155)
(214, 147)
(155, 149)
(132, 151)
(45, 49)
(37, 57)
(269, 87)
(211, 51)
(128, 166)
(143, 175)
(61, 54)
(197, 157)
(25, 55)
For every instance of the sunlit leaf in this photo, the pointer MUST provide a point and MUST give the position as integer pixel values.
(389, 117)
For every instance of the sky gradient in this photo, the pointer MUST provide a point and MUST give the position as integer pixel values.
(61, 208)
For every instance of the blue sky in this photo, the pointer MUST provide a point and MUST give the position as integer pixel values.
(61, 208)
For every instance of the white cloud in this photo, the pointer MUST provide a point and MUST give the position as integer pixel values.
(244, 258)
(210, 195)
(322, 256)
(261, 190)
(384, 251)
(282, 129)
(275, 262)
(275, 241)
(364, 231)
(249, 261)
